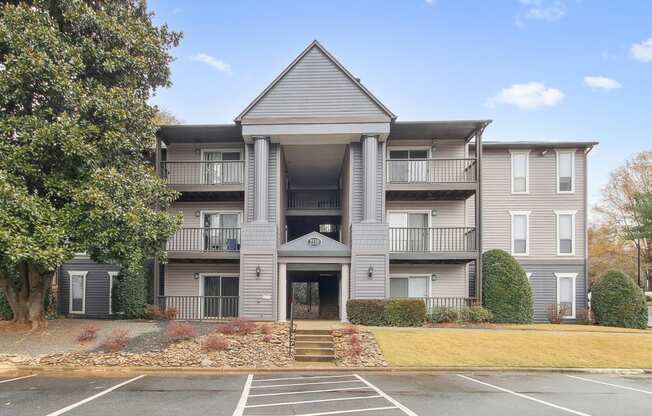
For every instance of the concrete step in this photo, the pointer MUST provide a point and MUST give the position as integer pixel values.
(314, 344)
(314, 332)
(314, 358)
(314, 351)
(315, 338)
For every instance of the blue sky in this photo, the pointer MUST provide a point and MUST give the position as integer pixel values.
(541, 70)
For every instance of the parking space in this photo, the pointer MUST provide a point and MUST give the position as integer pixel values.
(317, 394)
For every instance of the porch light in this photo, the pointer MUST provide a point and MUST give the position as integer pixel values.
(197, 214)
(195, 276)
(258, 271)
(433, 278)
(370, 272)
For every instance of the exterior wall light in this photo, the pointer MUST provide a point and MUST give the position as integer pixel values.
(258, 271)
(433, 278)
(197, 214)
(195, 276)
(370, 272)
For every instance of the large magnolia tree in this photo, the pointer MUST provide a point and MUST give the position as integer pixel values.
(75, 124)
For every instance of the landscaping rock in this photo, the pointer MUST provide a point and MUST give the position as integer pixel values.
(369, 356)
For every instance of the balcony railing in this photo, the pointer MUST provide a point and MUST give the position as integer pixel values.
(313, 199)
(193, 308)
(226, 172)
(449, 239)
(205, 239)
(448, 302)
(431, 171)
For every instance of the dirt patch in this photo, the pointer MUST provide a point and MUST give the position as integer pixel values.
(368, 354)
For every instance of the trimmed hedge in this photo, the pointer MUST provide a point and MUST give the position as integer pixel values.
(506, 290)
(129, 293)
(405, 312)
(617, 301)
(474, 314)
(386, 312)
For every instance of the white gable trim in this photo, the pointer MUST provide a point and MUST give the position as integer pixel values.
(315, 44)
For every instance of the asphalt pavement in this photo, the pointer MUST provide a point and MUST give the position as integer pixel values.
(317, 394)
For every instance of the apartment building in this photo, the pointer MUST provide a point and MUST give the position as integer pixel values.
(317, 194)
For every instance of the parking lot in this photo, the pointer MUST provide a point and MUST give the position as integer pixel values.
(391, 394)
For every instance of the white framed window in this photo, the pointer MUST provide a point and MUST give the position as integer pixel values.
(565, 233)
(520, 172)
(112, 276)
(77, 292)
(408, 164)
(409, 230)
(566, 293)
(409, 286)
(220, 293)
(566, 171)
(520, 232)
(221, 166)
(221, 230)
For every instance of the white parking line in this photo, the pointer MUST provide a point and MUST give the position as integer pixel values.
(339, 412)
(523, 396)
(88, 399)
(609, 384)
(17, 378)
(285, 393)
(339, 399)
(264, 380)
(387, 397)
(304, 384)
(239, 409)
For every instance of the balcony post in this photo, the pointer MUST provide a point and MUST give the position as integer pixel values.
(282, 292)
(344, 292)
(369, 158)
(478, 214)
(261, 158)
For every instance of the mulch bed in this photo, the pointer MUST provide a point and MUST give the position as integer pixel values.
(370, 354)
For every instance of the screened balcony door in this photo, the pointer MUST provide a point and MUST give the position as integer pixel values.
(218, 170)
(410, 231)
(221, 232)
(220, 296)
(410, 166)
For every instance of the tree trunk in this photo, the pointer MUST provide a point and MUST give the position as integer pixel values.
(27, 296)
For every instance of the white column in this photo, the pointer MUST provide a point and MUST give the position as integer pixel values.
(344, 292)
(282, 292)
(369, 153)
(261, 158)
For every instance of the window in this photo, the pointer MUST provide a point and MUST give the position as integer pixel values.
(566, 171)
(409, 231)
(112, 276)
(408, 165)
(222, 167)
(566, 293)
(520, 232)
(77, 301)
(221, 231)
(520, 177)
(565, 233)
(409, 287)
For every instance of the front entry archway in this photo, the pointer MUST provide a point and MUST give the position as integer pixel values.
(313, 294)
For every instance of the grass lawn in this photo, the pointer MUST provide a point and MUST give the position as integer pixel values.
(572, 328)
(425, 347)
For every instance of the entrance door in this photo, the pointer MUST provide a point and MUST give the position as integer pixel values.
(305, 297)
(220, 296)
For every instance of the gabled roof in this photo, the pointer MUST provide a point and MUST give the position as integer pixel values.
(321, 246)
(293, 64)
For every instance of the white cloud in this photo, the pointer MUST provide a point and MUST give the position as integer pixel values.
(602, 82)
(642, 51)
(212, 61)
(431, 2)
(549, 11)
(528, 96)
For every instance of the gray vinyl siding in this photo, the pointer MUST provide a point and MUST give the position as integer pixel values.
(447, 213)
(258, 293)
(544, 285)
(450, 279)
(357, 183)
(361, 286)
(272, 180)
(179, 280)
(192, 151)
(346, 197)
(315, 87)
(97, 287)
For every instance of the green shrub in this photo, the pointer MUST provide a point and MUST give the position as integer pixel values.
(405, 312)
(617, 301)
(479, 314)
(443, 314)
(366, 312)
(5, 310)
(506, 290)
(129, 292)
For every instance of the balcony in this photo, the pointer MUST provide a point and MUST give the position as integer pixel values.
(194, 308)
(446, 243)
(443, 178)
(226, 175)
(313, 202)
(205, 243)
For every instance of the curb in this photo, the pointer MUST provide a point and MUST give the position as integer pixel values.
(220, 371)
